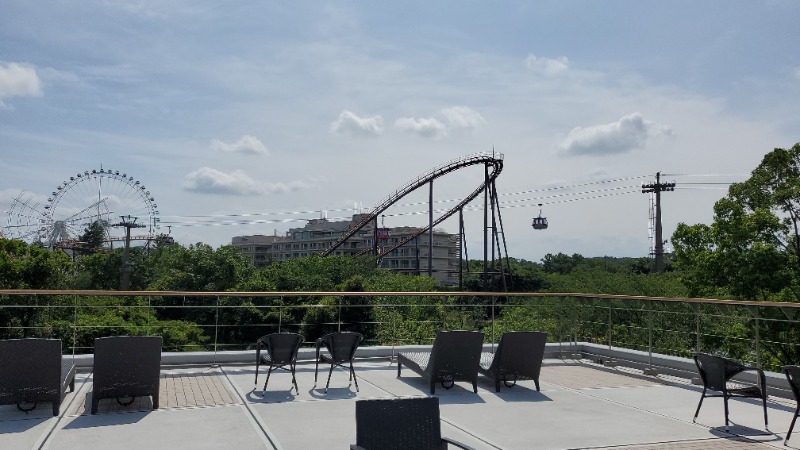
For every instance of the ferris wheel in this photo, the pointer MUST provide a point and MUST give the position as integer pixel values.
(95, 196)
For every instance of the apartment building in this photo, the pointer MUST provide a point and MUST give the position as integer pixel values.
(319, 234)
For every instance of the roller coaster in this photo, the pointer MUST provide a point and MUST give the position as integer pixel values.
(493, 166)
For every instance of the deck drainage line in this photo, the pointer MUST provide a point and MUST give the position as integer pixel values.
(45, 442)
(265, 432)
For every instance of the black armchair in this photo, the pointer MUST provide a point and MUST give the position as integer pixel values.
(280, 353)
(716, 374)
(793, 375)
(126, 367)
(454, 356)
(400, 424)
(341, 349)
(518, 355)
(33, 370)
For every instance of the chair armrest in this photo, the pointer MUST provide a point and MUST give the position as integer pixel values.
(449, 441)
(761, 377)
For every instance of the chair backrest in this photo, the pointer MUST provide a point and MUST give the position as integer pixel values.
(30, 364)
(457, 353)
(793, 375)
(715, 371)
(342, 345)
(281, 347)
(127, 360)
(521, 352)
(398, 423)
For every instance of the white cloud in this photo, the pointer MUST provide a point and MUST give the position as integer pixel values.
(18, 80)
(425, 127)
(629, 133)
(211, 181)
(246, 144)
(462, 117)
(350, 124)
(547, 66)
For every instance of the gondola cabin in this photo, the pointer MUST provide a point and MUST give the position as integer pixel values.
(383, 234)
(539, 223)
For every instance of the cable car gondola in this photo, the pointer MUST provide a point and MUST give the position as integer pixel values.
(539, 223)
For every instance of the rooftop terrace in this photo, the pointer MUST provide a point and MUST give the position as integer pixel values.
(594, 391)
(581, 404)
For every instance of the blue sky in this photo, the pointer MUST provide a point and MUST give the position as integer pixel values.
(251, 117)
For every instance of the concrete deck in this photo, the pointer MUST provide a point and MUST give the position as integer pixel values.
(581, 405)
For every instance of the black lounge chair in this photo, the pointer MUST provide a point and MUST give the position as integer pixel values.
(33, 370)
(518, 355)
(716, 374)
(793, 375)
(126, 367)
(341, 349)
(400, 424)
(455, 356)
(280, 353)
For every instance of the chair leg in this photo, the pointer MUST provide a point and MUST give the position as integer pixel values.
(725, 401)
(791, 427)
(475, 385)
(764, 402)
(398, 368)
(537, 383)
(697, 412)
(353, 375)
(294, 381)
(330, 372)
(316, 370)
(155, 401)
(269, 372)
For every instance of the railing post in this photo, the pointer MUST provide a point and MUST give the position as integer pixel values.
(75, 327)
(339, 314)
(697, 327)
(493, 332)
(216, 332)
(758, 337)
(280, 316)
(650, 370)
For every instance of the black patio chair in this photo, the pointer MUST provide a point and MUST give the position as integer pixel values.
(793, 375)
(518, 355)
(455, 356)
(341, 348)
(400, 424)
(716, 374)
(33, 370)
(280, 353)
(126, 367)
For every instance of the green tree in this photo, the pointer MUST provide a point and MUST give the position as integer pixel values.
(93, 238)
(751, 249)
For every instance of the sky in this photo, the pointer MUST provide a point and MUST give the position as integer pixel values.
(245, 118)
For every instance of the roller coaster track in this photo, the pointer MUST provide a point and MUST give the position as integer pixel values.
(493, 161)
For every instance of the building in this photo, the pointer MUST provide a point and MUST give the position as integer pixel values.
(319, 234)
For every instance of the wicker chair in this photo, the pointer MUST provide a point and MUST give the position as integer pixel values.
(126, 367)
(716, 374)
(280, 353)
(455, 356)
(341, 349)
(32, 371)
(400, 424)
(793, 375)
(518, 355)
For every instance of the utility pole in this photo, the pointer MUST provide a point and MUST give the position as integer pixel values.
(125, 268)
(657, 188)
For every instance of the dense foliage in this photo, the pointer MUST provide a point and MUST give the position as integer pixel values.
(749, 252)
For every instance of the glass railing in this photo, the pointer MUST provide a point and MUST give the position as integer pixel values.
(761, 333)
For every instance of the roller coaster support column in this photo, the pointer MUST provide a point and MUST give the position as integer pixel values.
(430, 232)
(485, 226)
